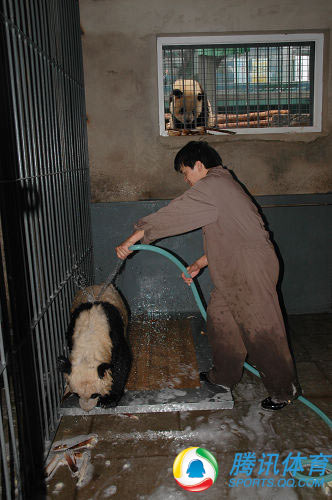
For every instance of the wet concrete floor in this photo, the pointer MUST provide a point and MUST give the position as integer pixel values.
(134, 455)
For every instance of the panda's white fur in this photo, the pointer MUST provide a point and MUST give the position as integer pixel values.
(92, 343)
(92, 346)
(189, 106)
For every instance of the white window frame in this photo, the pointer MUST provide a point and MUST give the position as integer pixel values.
(317, 38)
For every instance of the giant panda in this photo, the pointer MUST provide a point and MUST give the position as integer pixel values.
(100, 358)
(189, 107)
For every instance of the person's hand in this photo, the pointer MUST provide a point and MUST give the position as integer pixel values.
(122, 251)
(193, 270)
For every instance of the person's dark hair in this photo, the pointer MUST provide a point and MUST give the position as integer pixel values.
(197, 151)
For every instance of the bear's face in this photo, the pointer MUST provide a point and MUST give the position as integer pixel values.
(186, 107)
(89, 383)
(86, 381)
(186, 102)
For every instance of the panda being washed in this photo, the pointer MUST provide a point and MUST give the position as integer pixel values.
(100, 358)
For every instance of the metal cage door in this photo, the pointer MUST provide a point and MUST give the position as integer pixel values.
(44, 207)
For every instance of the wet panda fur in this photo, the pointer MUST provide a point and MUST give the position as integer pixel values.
(100, 358)
(189, 107)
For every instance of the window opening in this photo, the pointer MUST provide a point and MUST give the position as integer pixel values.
(213, 87)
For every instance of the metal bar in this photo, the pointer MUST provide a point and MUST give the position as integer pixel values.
(41, 370)
(268, 86)
(14, 450)
(79, 147)
(236, 89)
(311, 80)
(55, 188)
(289, 85)
(49, 343)
(78, 192)
(300, 80)
(257, 84)
(6, 468)
(247, 85)
(34, 244)
(36, 113)
(184, 96)
(61, 312)
(172, 75)
(279, 84)
(52, 254)
(215, 83)
(77, 187)
(85, 158)
(4, 459)
(69, 158)
(41, 175)
(53, 257)
(226, 87)
(60, 193)
(193, 78)
(203, 64)
(81, 193)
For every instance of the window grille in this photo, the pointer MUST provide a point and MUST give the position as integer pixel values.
(216, 87)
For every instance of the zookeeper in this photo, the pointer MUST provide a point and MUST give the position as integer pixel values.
(243, 314)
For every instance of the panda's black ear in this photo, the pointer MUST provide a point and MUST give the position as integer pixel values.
(102, 369)
(199, 97)
(177, 93)
(64, 365)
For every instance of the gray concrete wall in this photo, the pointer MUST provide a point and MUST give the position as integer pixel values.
(128, 158)
(301, 226)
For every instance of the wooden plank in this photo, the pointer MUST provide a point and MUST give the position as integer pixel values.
(163, 354)
(251, 116)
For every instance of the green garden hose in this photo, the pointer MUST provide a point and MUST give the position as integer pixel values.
(303, 400)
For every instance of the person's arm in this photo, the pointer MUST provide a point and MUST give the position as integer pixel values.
(194, 269)
(122, 251)
(192, 210)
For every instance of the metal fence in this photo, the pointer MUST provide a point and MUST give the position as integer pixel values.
(45, 218)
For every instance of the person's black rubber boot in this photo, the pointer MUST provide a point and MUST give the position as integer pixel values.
(203, 376)
(270, 405)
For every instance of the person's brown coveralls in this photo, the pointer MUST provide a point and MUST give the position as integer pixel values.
(243, 315)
